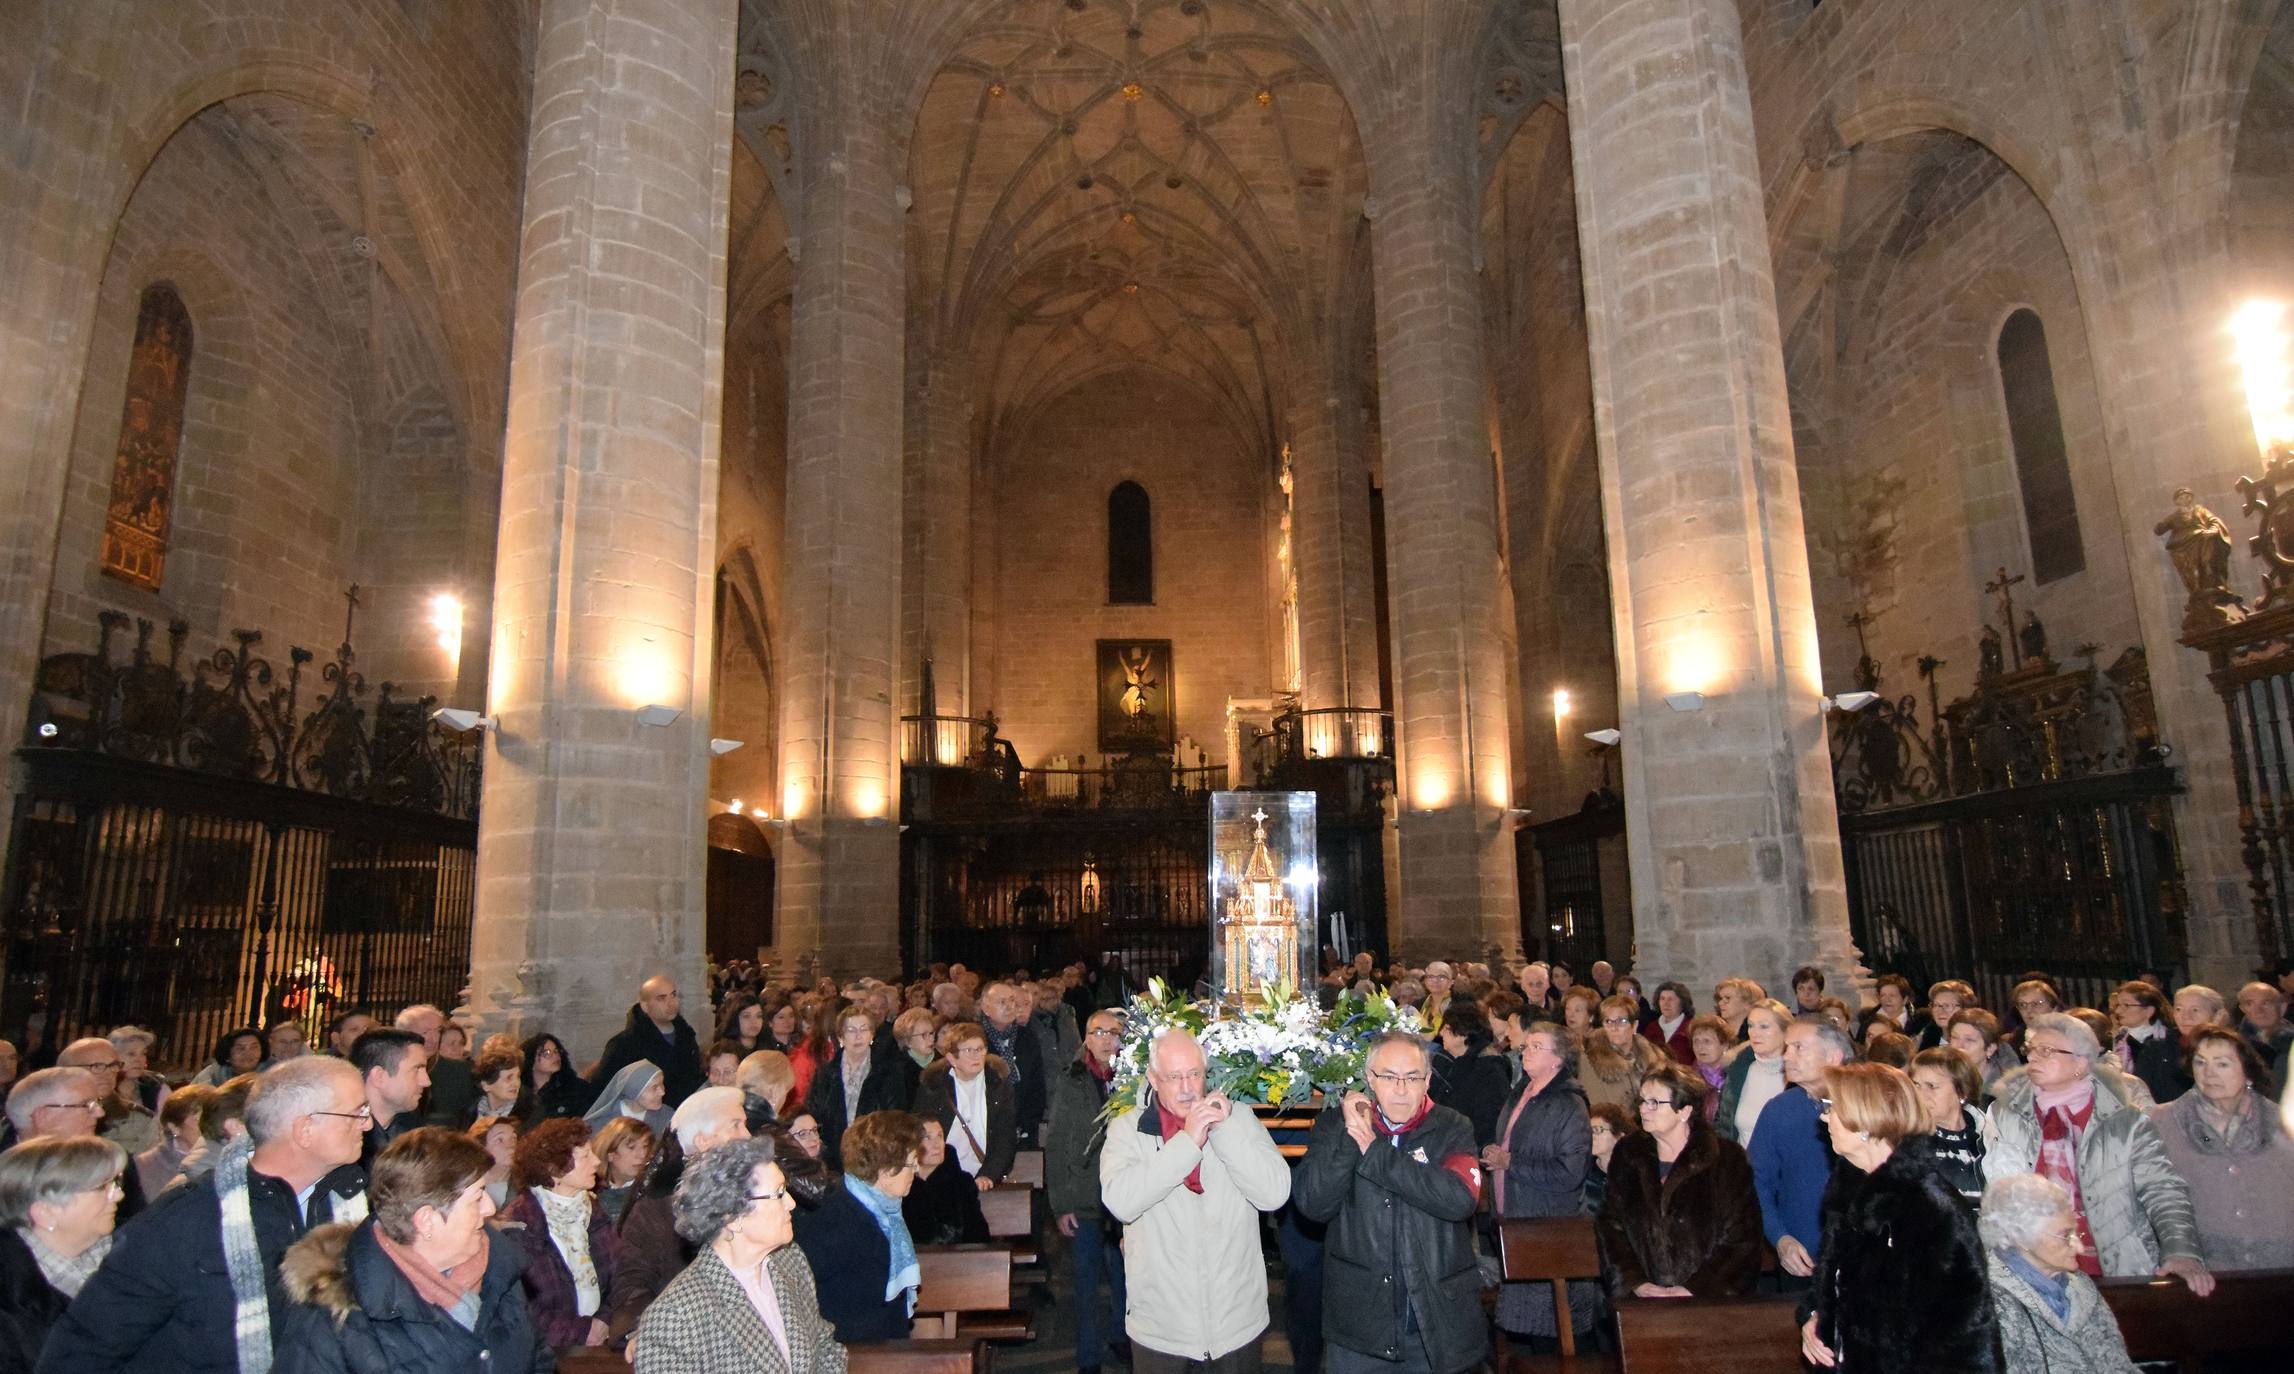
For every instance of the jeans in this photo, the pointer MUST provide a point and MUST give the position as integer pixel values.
(1094, 1253)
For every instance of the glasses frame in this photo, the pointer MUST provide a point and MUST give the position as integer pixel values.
(1400, 1080)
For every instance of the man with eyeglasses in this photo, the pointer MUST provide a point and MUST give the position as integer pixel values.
(1187, 1176)
(2064, 1117)
(1071, 1186)
(1397, 1179)
(193, 1285)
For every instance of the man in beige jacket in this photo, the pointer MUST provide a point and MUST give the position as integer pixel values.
(1187, 1176)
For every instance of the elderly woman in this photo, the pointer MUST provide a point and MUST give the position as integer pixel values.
(2068, 1117)
(638, 1093)
(57, 1198)
(1681, 1219)
(917, 1032)
(1471, 1076)
(2225, 1142)
(419, 1287)
(747, 1301)
(137, 1083)
(1900, 1275)
(623, 1148)
(1537, 1168)
(1709, 1044)
(852, 1084)
(553, 1089)
(970, 1095)
(1755, 1072)
(2050, 1315)
(1613, 1061)
(1607, 1124)
(1668, 1030)
(1947, 1085)
(2198, 1005)
(1946, 1000)
(501, 1077)
(862, 1255)
(2147, 1044)
(943, 1208)
(1975, 1033)
(1580, 1013)
(568, 1241)
(766, 1082)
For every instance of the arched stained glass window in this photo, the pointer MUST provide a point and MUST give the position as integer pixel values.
(1130, 547)
(150, 434)
(2042, 459)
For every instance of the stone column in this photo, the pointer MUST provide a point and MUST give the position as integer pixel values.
(1734, 845)
(936, 576)
(837, 901)
(590, 847)
(1456, 843)
(1330, 547)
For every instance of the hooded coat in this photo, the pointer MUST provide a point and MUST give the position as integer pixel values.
(353, 1312)
(626, 1085)
(1902, 1282)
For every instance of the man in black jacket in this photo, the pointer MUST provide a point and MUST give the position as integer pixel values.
(185, 1288)
(657, 1032)
(1004, 1012)
(1397, 1179)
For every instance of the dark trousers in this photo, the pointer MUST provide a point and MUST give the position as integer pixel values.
(1242, 1360)
(1095, 1254)
(1299, 1241)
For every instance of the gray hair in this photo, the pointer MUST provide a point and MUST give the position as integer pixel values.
(1829, 1035)
(411, 1018)
(294, 1090)
(45, 1088)
(2214, 1000)
(705, 1111)
(124, 1036)
(1171, 1035)
(2073, 1030)
(2019, 1209)
(54, 1170)
(1381, 1040)
(714, 1189)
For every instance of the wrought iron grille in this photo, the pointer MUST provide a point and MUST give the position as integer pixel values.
(193, 851)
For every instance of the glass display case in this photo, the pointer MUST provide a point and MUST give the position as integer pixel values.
(1263, 883)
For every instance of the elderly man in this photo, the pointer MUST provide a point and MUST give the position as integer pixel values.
(948, 1002)
(1072, 1149)
(652, 1253)
(394, 1070)
(2062, 1116)
(193, 1285)
(1536, 983)
(1604, 976)
(657, 1032)
(126, 1124)
(1396, 1178)
(53, 1102)
(1004, 1011)
(1187, 1177)
(1791, 1153)
(452, 1098)
(2262, 1020)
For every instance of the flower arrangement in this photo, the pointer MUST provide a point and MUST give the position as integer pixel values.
(1279, 1052)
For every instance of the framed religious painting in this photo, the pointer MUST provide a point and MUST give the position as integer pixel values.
(1137, 712)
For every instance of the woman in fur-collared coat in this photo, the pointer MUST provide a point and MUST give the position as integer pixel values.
(1902, 1284)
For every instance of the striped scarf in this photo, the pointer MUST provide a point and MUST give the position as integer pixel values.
(243, 1259)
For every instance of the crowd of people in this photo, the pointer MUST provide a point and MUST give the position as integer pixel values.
(1939, 1182)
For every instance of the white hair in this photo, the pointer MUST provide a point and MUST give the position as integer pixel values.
(1170, 1035)
(294, 1090)
(2019, 1209)
(2073, 1030)
(411, 1018)
(45, 1088)
(703, 1112)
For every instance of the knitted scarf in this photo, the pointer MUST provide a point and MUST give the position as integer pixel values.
(243, 1259)
(2063, 1118)
(905, 1273)
(457, 1291)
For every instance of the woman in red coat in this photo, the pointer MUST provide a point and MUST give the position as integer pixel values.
(1669, 1028)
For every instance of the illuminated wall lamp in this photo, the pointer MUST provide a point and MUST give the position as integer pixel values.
(722, 747)
(657, 716)
(1850, 701)
(1605, 737)
(455, 718)
(1685, 701)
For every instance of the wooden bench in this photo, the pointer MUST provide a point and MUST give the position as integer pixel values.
(1027, 1168)
(1550, 1250)
(2250, 1313)
(1755, 1335)
(966, 1292)
(918, 1357)
(1010, 1212)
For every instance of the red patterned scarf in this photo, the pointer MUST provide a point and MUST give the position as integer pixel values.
(2063, 1118)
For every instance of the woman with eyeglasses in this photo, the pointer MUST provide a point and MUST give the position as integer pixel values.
(1615, 1058)
(1681, 1218)
(862, 1255)
(747, 1301)
(916, 1032)
(1900, 1283)
(969, 1092)
(2051, 1316)
(852, 1084)
(2147, 1044)
(58, 1198)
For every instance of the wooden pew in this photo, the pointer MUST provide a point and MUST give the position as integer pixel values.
(1027, 1168)
(2249, 1314)
(919, 1357)
(966, 1292)
(1551, 1250)
(1756, 1335)
(1010, 1210)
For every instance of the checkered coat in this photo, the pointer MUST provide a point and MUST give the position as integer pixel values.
(703, 1323)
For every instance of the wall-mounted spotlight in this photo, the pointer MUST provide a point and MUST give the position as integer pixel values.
(1605, 737)
(657, 715)
(1685, 701)
(1850, 701)
(455, 718)
(722, 747)
(734, 806)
